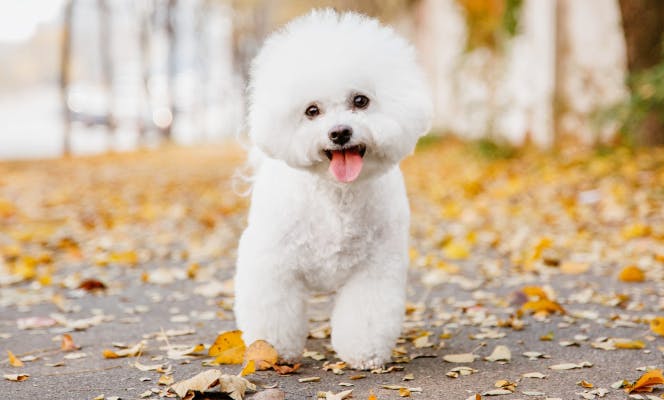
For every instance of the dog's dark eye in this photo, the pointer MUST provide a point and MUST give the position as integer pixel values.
(360, 101)
(312, 111)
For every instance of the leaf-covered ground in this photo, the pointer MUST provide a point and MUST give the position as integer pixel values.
(536, 276)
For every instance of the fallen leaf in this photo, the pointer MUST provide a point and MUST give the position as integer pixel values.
(232, 385)
(455, 250)
(16, 377)
(543, 305)
(460, 358)
(585, 384)
(75, 356)
(657, 325)
(629, 344)
(309, 379)
(133, 351)
(180, 352)
(372, 396)
(500, 353)
(646, 382)
(574, 268)
(286, 369)
(68, 344)
(497, 392)
(165, 380)
(566, 366)
(404, 392)
(13, 361)
(262, 353)
(632, 273)
(35, 322)
(338, 396)
(249, 368)
(536, 375)
(228, 348)
(91, 285)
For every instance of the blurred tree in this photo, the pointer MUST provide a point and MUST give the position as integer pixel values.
(643, 23)
(65, 74)
(105, 36)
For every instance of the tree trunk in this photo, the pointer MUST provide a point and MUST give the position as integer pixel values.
(106, 53)
(643, 23)
(65, 70)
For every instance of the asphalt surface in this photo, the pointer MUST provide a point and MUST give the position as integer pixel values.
(179, 293)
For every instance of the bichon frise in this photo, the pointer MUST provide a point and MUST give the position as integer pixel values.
(336, 101)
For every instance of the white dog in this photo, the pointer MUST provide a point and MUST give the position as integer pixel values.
(337, 100)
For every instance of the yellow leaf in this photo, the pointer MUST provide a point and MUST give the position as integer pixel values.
(635, 231)
(13, 361)
(632, 273)
(657, 325)
(262, 353)
(543, 244)
(629, 344)
(26, 268)
(543, 305)
(192, 270)
(228, 348)
(372, 396)
(123, 258)
(249, 368)
(456, 251)
(404, 392)
(646, 382)
(535, 291)
(45, 279)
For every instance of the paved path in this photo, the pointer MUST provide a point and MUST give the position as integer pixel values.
(159, 229)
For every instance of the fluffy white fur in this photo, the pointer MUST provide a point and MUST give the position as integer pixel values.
(307, 231)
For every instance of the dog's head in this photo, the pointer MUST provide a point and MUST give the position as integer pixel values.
(339, 95)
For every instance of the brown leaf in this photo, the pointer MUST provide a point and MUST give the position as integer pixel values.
(68, 344)
(262, 353)
(286, 369)
(16, 377)
(91, 285)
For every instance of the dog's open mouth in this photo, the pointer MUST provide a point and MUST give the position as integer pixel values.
(346, 164)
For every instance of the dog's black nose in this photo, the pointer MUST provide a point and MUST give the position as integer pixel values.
(340, 134)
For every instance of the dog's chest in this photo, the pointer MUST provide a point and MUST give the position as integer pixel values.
(337, 244)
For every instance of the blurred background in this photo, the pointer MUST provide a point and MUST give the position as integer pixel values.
(91, 76)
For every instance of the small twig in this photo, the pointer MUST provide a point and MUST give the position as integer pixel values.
(46, 351)
(84, 371)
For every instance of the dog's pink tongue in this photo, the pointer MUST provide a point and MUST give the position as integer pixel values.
(345, 165)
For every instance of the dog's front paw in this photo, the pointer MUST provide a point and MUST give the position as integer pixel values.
(365, 364)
